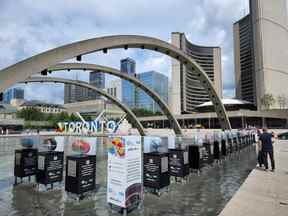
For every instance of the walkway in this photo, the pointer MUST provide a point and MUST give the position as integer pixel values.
(263, 193)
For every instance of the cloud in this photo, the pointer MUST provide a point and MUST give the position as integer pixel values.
(30, 27)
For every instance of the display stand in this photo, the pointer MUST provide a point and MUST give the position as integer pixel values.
(25, 164)
(124, 174)
(239, 144)
(156, 171)
(200, 156)
(223, 147)
(250, 139)
(194, 157)
(235, 144)
(243, 142)
(209, 151)
(50, 168)
(80, 174)
(230, 145)
(254, 138)
(178, 163)
(217, 151)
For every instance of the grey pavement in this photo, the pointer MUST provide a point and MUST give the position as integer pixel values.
(263, 193)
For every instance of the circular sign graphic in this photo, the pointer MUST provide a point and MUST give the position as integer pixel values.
(117, 147)
(81, 146)
(27, 142)
(50, 144)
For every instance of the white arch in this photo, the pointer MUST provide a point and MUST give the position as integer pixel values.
(24, 69)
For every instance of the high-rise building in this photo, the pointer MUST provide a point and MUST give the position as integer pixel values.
(265, 48)
(74, 93)
(157, 82)
(96, 79)
(13, 93)
(244, 60)
(114, 88)
(186, 90)
(128, 66)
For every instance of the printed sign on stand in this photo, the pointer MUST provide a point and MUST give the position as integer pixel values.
(50, 160)
(81, 166)
(25, 161)
(124, 178)
(158, 144)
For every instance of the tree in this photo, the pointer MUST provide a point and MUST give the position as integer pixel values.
(31, 114)
(267, 101)
(282, 101)
(140, 112)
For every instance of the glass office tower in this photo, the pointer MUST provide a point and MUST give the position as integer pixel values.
(96, 79)
(13, 93)
(156, 81)
(128, 66)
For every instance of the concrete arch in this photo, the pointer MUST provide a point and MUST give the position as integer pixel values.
(22, 70)
(130, 114)
(135, 81)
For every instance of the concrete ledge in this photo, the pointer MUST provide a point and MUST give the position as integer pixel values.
(263, 193)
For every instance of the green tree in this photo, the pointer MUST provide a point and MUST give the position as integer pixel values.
(282, 101)
(267, 101)
(31, 114)
(140, 112)
(74, 117)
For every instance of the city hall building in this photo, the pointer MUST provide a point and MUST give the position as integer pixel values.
(261, 52)
(186, 90)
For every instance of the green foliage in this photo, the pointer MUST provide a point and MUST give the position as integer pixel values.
(282, 101)
(267, 100)
(144, 112)
(33, 114)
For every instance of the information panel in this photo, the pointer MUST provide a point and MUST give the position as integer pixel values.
(178, 162)
(25, 162)
(156, 170)
(50, 167)
(124, 182)
(80, 173)
(81, 165)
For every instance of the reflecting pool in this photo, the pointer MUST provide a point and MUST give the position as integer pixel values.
(206, 194)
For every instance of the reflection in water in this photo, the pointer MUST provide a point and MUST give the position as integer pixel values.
(202, 195)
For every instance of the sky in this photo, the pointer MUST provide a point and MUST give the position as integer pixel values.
(29, 27)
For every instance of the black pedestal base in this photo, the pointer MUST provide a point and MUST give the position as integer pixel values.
(178, 163)
(50, 167)
(156, 170)
(25, 163)
(80, 173)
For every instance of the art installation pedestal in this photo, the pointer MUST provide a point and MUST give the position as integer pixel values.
(80, 174)
(230, 146)
(235, 145)
(156, 171)
(124, 174)
(50, 167)
(25, 163)
(224, 147)
(200, 156)
(217, 151)
(178, 163)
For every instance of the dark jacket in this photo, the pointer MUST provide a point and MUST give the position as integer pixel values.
(266, 141)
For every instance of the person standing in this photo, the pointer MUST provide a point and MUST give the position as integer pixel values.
(267, 149)
(260, 154)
